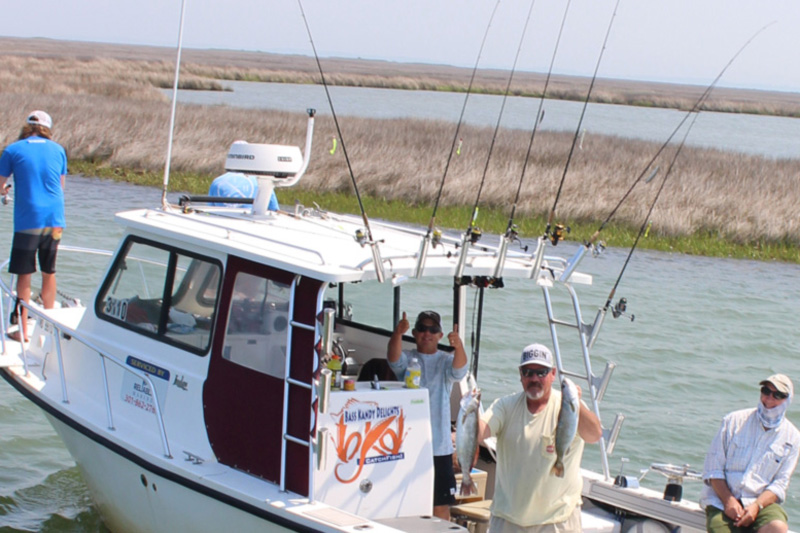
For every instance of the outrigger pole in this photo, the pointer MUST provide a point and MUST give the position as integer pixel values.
(429, 235)
(164, 204)
(473, 233)
(511, 230)
(362, 238)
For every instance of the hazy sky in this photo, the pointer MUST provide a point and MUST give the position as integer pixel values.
(663, 40)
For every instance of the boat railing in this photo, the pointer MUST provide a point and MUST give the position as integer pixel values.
(61, 331)
(228, 234)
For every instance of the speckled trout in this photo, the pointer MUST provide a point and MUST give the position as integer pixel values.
(567, 423)
(467, 438)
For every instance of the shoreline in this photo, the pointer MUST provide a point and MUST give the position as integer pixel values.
(716, 204)
(455, 218)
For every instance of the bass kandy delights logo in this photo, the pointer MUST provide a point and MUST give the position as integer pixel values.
(367, 433)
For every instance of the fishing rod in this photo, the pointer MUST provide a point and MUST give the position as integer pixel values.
(511, 230)
(164, 204)
(558, 231)
(473, 234)
(430, 235)
(694, 109)
(620, 307)
(362, 238)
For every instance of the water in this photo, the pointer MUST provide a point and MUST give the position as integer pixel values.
(774, 137)
(705, 332)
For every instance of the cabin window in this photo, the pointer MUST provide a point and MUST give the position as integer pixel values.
(258, 318)
(163, 293)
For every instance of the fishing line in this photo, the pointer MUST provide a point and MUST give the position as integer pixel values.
(551, 216)
(360, 237)
(650, 211)
(539, 118)
(694, 109)
(499, 119)
(456, 142)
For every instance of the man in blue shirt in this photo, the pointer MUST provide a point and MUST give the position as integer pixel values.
(39, 166)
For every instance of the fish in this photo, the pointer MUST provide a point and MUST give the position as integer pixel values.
(567, 425)
(467, 438)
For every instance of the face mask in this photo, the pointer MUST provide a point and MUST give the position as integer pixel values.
(771, 418)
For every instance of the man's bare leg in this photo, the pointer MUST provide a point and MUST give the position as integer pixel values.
(24, 294)
(48, 290)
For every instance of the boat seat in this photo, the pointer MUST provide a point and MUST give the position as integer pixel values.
(377, 366)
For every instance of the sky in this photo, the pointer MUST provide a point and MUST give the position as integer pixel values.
(683, 41)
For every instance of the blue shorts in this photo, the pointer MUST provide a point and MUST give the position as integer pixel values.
(28, 244)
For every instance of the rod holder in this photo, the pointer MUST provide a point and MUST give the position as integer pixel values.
(422, 256)
(572, 264)
(324, 390)
(538, 257)
(602, 384)
(596, 326)
(376, 258)
(322, 448)
(462, 259)
(327, 330)
(501, 256)
(613, 434)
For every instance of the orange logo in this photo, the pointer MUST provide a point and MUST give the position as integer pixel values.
(365, 428)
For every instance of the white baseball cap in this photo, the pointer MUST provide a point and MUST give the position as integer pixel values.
(536, 354)
(40, 118)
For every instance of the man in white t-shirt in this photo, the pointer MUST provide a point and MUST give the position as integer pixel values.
(527, 496)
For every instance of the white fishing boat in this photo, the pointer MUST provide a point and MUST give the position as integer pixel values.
(193, 393)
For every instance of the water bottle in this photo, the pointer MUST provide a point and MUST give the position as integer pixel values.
(413, 374)
(335, 366)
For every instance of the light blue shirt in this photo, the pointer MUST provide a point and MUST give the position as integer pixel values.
(750, 459)
(438, 376)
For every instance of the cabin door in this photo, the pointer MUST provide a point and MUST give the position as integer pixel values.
(266, 319)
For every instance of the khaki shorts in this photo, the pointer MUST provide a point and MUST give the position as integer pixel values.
(717, 522)
(570, 525)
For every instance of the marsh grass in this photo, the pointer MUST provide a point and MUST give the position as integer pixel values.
(113, 123)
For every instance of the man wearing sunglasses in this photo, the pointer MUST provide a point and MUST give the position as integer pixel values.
(749, 464)
(440, 370)
(527, 496)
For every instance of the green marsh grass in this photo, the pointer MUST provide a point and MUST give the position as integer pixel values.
(113, 122)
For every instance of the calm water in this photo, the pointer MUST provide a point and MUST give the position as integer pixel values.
(705, 332)
(777, 137)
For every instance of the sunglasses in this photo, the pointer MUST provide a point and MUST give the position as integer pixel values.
(427, 329)
(530, 372)
(778, 395)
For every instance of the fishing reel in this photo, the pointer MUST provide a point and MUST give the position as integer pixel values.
(512, 234)
(475, 234)
(598, 249)
(436, 237)
(558, 233)
(361, 238)
(619, 309)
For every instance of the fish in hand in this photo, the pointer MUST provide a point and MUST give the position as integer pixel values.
(567, 423)
(467, 438)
